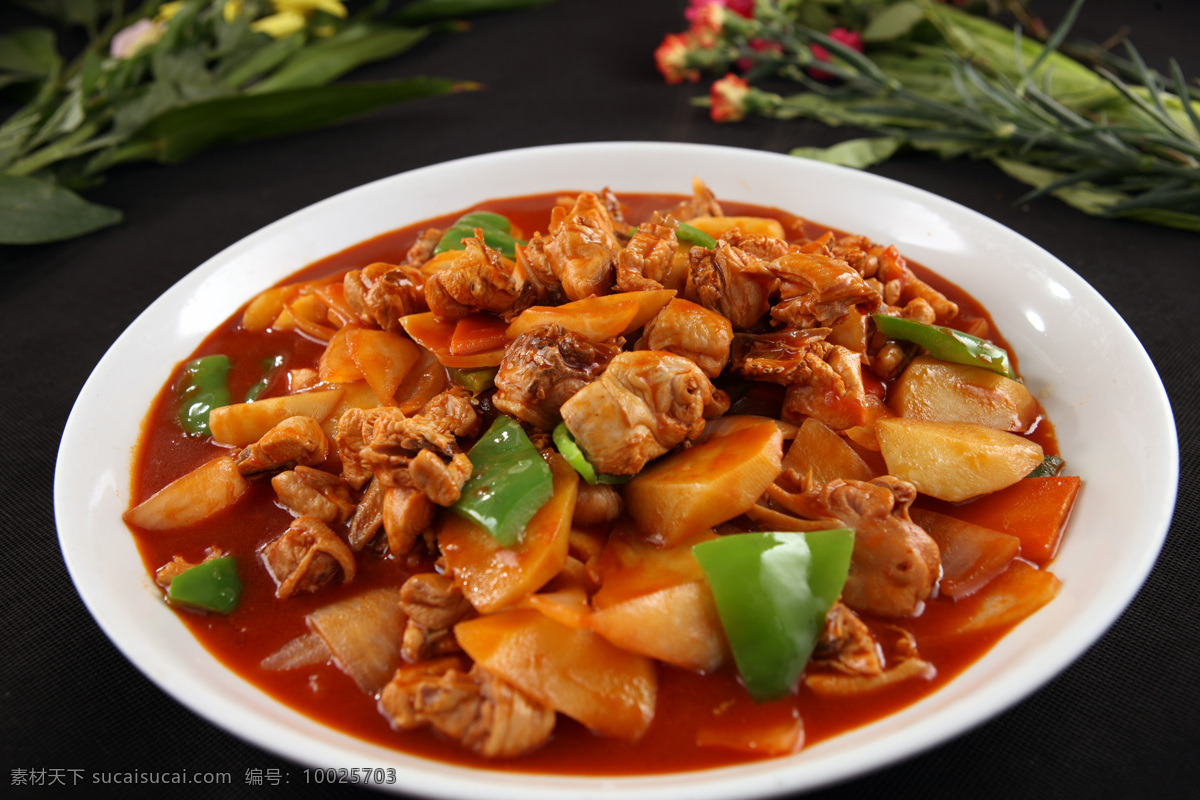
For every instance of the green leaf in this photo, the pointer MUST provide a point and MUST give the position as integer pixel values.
(893, 22)
(1165, 217)
(857, 153)
(28, 55)
(183, 132)
(33, 211)
(1084, 196)
(238, 70)
(71, 12)
(324, 62)
(423, 11)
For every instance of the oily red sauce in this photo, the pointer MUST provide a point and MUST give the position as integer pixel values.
(262, 623)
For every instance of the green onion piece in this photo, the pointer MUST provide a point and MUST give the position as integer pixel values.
(212, 585)
(204, 386)
(947, 344)
(497, 233)
(568, 449)
(772, 592)
(1050, 466)
(509, 482)
(691, 235)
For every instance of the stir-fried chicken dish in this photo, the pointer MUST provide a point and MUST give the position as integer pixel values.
(653, 470)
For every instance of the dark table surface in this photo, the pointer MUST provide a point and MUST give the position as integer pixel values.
(1124, 721)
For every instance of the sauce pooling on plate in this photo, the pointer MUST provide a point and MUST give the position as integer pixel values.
(597, 484)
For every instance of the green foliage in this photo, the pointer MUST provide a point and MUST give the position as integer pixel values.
(202, 76)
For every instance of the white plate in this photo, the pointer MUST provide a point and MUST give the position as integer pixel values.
(1096, 382)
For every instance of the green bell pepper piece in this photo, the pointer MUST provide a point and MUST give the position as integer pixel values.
(212, 585)
(570, 450)
(203, 387)
(269, 365)
(509, 482)
(772, 592)
(474, 380)
(948, 344)
(693, 235)
(497, 233)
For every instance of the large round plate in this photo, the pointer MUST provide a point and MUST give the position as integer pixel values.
(1096, 382)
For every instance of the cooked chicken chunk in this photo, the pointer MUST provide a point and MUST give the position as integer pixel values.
(407, 512)
(383, 293)
(581, 247)
(433, 603)
(817, 291)
(367, 521)
(732, 282)
(311, 492)
(691, 331)
(846, 644)
(596, 504)
(895, 564)
(643, 405)
(477, 709)
(307, 556)
(478, 279)
(295, 440)
(898, 285)
(702, 203)
(440, 481)
(645, 263)
(542, 369)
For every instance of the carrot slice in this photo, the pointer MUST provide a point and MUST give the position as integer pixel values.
(478, 333)
(971, 555)
(1035, 510)
(435, 336)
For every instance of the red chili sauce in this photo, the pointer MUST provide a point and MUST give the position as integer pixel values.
(262, 623)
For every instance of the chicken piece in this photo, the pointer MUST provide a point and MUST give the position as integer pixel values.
(581, 247)
(306, 557)
(596, 504)
(735, 283)
(767, 248)
(824, 380)
(439, 480)
(533, 276)
(367, 521)
(846, 644)
(351, 441)
(480, 711)
(855, 673)
(542, 369)
(691, 331)
(433, 603)
(308, 492)
(381, 294)
(407, 512)
(645, 263)
(612, 204)
(294, 441)
(177, 565)
(478, 279)
(816, 291)
(644, 404)
(389, 434)
(422, 249)
(702, 203)
(899, 286)
(895, 564)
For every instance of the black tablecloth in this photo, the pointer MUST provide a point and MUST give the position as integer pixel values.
(1124, 721)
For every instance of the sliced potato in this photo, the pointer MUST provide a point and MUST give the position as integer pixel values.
(337, 362)
(678, 625)
(820, 450)
(971, 554)
(597, 319)
(692, 490)
(1015, 594)
(241, 424)
(195, 496)
(751, 226)
(954, 461)
(946, 392)
(383, 358)
(364, 633)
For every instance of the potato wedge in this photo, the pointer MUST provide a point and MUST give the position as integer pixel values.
(190, 498)
(954, 461)
(383, 358)
(692, 490)
(678, 625)
(241, 424)
(597, 319)
(820, 450)
(946, 392)
(337, 362)
(751, 226)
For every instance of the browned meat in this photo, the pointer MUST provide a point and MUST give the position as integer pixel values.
(533, 276)
(767, 248)
(596, 504)
(311, 492)
(846, 644)
(702, 203)
(307, 556)
(478, 279)
(171, 570)
(351, 441)
(581, 247)
(407, 512)
(542, 369)
(433, 604)
(735, 283)
(295, 440)
(896, 564)
(440, 481)
(817, 290)
(368, 517)
(446, 417)
(691, 331)
(824, 380)
(643, 405)
(477, 709)
(899, 286)
(422, 249)
(645, 263)
(383, 293)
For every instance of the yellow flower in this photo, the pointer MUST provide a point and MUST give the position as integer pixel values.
(168, 10)
(231, 10)
(292, 15)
